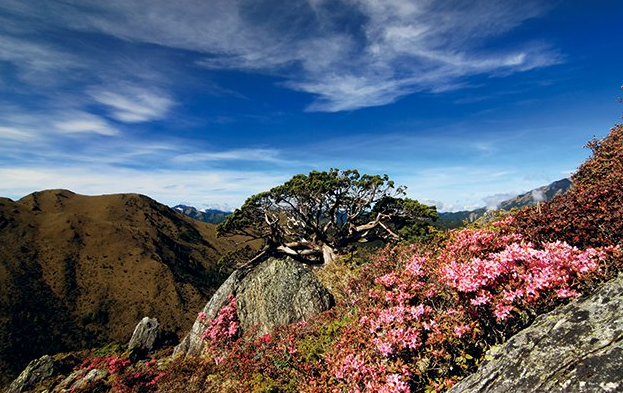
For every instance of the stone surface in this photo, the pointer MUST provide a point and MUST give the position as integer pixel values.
(276, 292)
(577, 348)
(79, 380)
(280, 292)
(35, 373)
(145, 335)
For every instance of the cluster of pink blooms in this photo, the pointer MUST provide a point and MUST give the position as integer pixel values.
(225, 326)
(221, 331)
(358, 376)
(435, 301)
(116, 364)
(520, 273)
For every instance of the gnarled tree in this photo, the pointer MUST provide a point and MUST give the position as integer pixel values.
(318, 216)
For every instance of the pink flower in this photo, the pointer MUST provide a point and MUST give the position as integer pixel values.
(483, 297)
(460, 330)
(384, 348)
(564, 293)
(502, 311)
(201, 316)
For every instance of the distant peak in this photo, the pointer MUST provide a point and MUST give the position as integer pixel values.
(213, 216)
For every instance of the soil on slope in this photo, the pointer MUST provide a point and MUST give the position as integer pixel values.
(80, 271)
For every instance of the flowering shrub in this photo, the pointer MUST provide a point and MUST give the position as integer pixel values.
(525, 273)
(429, 321)
(222, 330)
(419, 318)
(125, 377)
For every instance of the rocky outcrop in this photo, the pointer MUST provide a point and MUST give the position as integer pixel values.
(35, 373)
(276, 292)
(80, 380)
(280, 292)
(145, 335)
(576, 348)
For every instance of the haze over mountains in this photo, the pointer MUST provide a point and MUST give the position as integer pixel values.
(530, 198)
(79, 271)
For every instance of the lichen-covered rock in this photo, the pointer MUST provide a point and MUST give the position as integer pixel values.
(577, 348)
(79, 380)
(145, 335)
(276, 292)
(279, 292)
(34, 374)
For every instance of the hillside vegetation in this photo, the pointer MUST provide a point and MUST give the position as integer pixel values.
(414, 318)
(79, 271)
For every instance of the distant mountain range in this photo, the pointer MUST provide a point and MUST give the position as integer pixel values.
(530, 198)
(211, 216)
(80, 271)
(445, 220)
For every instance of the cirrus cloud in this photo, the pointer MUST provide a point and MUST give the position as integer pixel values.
(347, 54)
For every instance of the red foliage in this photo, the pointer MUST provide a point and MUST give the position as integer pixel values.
(591, 213)
(126, 377)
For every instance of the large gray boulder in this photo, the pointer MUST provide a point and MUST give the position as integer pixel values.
(276, 292)
(577, 348)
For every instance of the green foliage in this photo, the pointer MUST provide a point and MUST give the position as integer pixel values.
(110, 349)
(413, 220)
(324, 213)
(313, 348)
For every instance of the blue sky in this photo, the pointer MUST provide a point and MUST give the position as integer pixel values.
(208, 102)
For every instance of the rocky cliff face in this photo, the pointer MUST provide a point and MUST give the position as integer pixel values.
(276, 292)
(577, 348)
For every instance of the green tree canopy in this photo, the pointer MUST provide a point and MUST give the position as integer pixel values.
(318, 216)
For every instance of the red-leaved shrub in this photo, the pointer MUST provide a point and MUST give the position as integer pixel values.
(591, 212)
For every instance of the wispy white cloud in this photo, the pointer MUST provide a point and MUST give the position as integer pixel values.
(348, 54)
(13, 134)
(171, 187)
(494, 201)
(35, 62)
(78, 122)
(68, 135)
(258, 155)
(44, 126)
(133, 104)
(423, 45)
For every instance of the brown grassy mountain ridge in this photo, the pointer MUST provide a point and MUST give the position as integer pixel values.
(80, 271)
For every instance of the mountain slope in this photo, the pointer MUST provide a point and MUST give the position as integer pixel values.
(530, 198)
(78, 271)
